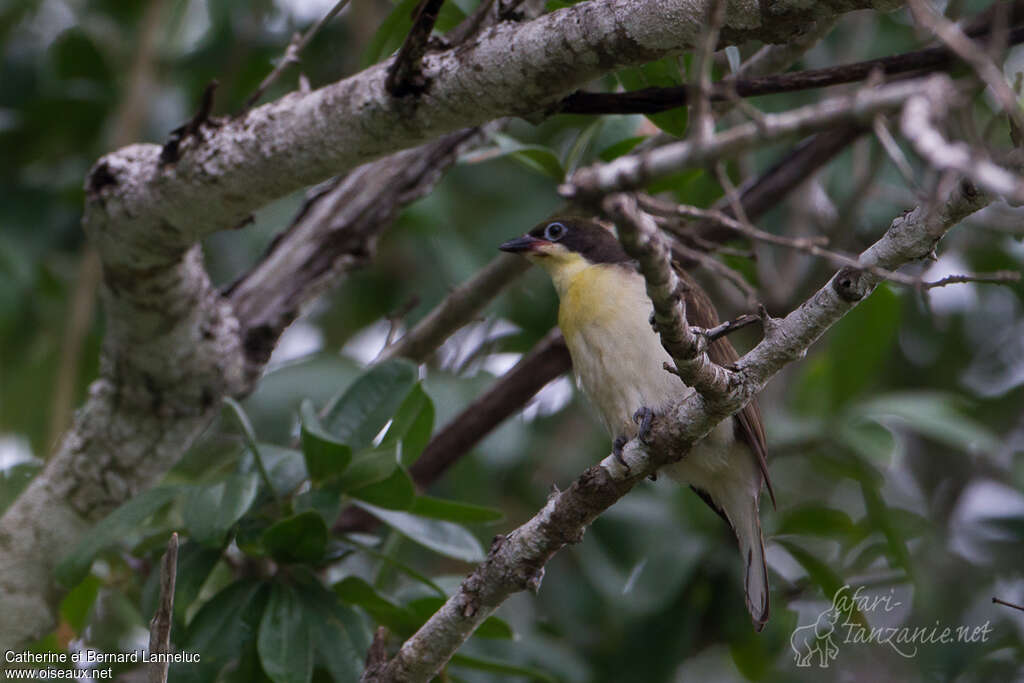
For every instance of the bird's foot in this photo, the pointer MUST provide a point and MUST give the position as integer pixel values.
(643, 417)
(617, 445)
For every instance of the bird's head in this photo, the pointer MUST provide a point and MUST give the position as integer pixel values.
(568, 243)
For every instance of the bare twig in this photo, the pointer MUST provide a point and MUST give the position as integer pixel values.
(160, 625)
(295, 47)
(1007, 604)
(654, 100)
(458, 308)
(975, 56)
(917, 124)
(703, 126)
(999, 277)
(896, 155)
(634, 170)
(726, 328)
(405, 75)
(684, 254)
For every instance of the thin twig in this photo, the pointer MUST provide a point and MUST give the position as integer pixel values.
(999, 277)
(297, 44)
(405, 75)
(463, 304)
(160, 625)
(634, 170)
(1007, 604)
(703, 126)
(654, 100)
(810, 245)
(966, 49)
(896, 155)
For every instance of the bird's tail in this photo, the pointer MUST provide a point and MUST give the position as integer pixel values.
(742, 512)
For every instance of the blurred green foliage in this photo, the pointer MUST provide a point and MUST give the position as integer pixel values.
(897, 444)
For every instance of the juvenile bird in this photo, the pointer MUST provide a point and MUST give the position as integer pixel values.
(604, 314)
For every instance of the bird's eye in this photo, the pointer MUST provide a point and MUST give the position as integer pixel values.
(554, 232)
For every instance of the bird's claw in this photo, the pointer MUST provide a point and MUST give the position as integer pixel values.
(617, 445)
(643, 417)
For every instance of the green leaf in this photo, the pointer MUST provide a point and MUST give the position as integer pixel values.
(534, 157)
(111, 532)
(355, 591)
(412, 426)
(933, 415)
(358, 414)
(820, 574)
(663, 73)
(367, 468)
(816, 520)
(397, 492)
(339, 638)
(222, 630)
(326, 502)
(878, 516)
(620, 148)
(301, 538)
(210, 510)
(442, 537)
(286, 466)
(462, 513)
(391, 33)
(492, 627)
(76, 605)
(249, 434)
(854, 360)
(867, 438)
(499, 667)
(284, 645)
(325, 456)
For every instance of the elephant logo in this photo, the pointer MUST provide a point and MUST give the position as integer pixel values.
(816, 638)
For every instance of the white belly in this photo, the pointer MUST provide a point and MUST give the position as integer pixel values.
(619, 362)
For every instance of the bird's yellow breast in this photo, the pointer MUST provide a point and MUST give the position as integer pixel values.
(594, 296)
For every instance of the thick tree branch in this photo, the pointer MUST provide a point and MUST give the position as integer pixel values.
(516, 561)
(230, 169)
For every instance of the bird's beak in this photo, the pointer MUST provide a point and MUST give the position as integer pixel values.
(523, 245)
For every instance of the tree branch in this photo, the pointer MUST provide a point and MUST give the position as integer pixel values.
(160, 625)
(516, 561)
(654, 100)
(633, 171)
(460, 306)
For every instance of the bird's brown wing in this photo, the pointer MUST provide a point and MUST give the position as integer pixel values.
(700, 312)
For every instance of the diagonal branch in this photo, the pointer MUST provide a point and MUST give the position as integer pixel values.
(516, 561)
(458, 308)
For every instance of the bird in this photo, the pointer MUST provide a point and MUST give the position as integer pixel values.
(605, 317)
